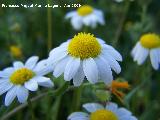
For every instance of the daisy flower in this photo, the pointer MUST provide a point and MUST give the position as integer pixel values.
(85, 56)
(22, 78)
(85, 15)
(99, 112)
(122, 1)
(149, 44)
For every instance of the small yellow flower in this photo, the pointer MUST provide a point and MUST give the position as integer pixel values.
(116, 86)
(15, 51)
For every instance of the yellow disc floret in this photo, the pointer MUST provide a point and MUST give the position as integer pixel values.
(150, 41)
(21, 76)
(103, 115)
(84, 10)
(84, 46)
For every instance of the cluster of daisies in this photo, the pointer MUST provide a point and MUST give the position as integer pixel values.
(83, 56)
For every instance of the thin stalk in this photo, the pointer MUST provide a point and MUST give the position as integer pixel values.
(77, 99)
(49, 23)
(31, 109)
(121, 23)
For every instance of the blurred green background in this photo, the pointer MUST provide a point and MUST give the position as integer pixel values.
(25, 32)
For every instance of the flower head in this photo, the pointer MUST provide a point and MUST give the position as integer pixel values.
(98, 112)
(84, 46)
(149, 44)
(15, 51)
(19, 79)
(85, 15)
(85, 56)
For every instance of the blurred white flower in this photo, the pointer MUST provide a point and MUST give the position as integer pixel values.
(122, 0)
(85, 15)
(99, 112)
(149, 44)
(85, 56)
(19, 79)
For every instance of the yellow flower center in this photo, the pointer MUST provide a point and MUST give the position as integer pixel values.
(84, 46)
(21, 76)
(103, 115)
(84, 10)
(150, 41)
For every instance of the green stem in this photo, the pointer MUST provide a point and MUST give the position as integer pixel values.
(49, 23)
(31, 109)
(56, 108)
(77, 99)
(121, 23)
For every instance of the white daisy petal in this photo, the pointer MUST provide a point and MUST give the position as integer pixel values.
(2, 80)
(90, 20)
(92, 107)
(138, 52)
(104, 70)
(31, 62)
(123, 111)
(60, 66)
(58, 50)
(133, 118)
(6, 72)
(116, 55)
(5, 86)
(112, 107)
(42, 67)
(70, 14)
(57, 57)
(78, 116)
(44, 81)
(71, 68)
(158, 52)
(22, 94)
(107, 47)
(10, 96)
(124, 117)
(113, 52)
(112, 62)
(100, 17)
(134, 51)
(18, 65)
(98, 12)
(79, 76)
(90, 70)
(76, 22)
(154, 58)
(144, 54)
(100, 41)
(31, 85)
